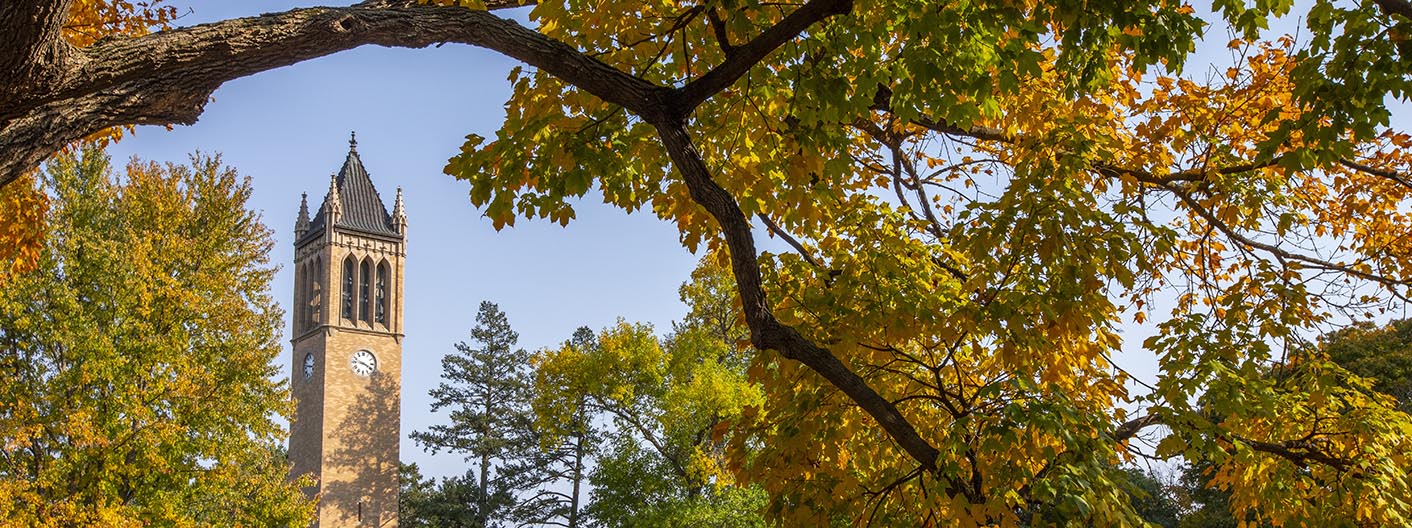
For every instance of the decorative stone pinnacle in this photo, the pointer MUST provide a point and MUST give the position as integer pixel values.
(303, 220)
(353, 141)
(399, 212)
(301, 225)
(335, 204)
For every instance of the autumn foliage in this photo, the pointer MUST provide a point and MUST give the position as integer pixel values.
(971, 202)
(22, 206)
(139, 388)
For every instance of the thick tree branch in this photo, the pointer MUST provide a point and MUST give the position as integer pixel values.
(167, 77)
(1130, 428)
(766, 332)
(1395, 7)
(1298, 452)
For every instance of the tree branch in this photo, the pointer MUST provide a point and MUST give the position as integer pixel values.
(742, 58)
(1404, 180)
(167, 77)
(780, 232)
(882, 102)
(766, 332)
(1395, 7)
(1130, 428)
(1297, 452)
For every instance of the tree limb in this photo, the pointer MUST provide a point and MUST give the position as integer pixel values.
(742, 58)
(1395, 7)
(1403, 180)
(167, 77)
(780, 232)
(1130, 428)
(766, 332)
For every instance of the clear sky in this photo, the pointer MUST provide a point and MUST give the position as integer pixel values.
(288, 130)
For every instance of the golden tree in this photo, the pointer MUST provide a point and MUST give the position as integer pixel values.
(139, 386)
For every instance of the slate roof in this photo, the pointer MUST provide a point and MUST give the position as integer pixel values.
(363, 208)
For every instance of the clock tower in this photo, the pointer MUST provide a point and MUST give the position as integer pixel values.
(347, 340)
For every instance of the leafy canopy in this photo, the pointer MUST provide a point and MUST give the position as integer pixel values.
(973, 198)
(667, 405)
(139, 384)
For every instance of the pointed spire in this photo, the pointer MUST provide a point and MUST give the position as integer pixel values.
(333, 204)
(399, 213)
(301, 225)
(352, 201)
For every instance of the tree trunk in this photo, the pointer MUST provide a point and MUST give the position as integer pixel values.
(484, 510)
(578, 470)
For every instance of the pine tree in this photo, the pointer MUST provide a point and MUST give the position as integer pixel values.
(486, 389)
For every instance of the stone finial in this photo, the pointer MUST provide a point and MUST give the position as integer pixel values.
(333, 205)
(353, 141)
(301, 225)
(399, 213)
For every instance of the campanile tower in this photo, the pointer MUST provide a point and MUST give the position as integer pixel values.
(347, 340)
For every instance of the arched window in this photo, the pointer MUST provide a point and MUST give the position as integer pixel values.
(364, 277)
(316, 292)
(307, 313)
(380, 295)
(348, 288)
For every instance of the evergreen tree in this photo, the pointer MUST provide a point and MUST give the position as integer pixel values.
(485, 387)
(451, 503)
(1153, 499)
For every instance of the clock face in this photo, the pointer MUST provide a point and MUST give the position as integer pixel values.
(308, 366)
(363, 363)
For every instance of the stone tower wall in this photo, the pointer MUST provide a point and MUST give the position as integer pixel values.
(347, 427)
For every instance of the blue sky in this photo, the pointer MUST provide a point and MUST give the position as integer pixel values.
(288, 129)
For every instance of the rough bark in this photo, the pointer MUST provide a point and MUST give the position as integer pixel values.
(30, 44)
(167, 77)
(1395, 7)
(1126, 430)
